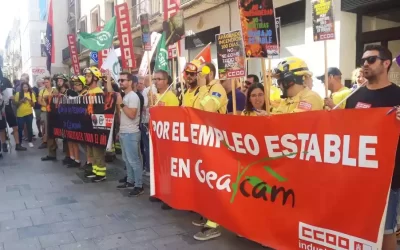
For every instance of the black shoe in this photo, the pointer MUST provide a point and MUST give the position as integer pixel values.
(5, 147)
(136, 191)
(74, 164)
(43, 145)
(88, 166)
(49, 158)
(126, 185)
(164, 206)
(67, 160)
(123, 180)
(118, 151)
(18, 147)
(90, 174)
(99, 178)
(154, 199)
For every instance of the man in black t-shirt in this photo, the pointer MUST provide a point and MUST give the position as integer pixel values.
(380, 92)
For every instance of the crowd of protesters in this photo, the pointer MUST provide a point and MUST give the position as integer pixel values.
(200, 90)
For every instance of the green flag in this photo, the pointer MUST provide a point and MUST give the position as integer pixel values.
(98, 41)
(162, 55)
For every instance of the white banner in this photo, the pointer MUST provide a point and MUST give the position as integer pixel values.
(112, 64)
(144, 67)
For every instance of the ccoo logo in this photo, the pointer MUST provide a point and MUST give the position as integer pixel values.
(102, 37)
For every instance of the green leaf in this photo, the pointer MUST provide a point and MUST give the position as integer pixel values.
(226, 145)
(275, 174)
(254, 181)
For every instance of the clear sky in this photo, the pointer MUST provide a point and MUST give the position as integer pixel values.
(8, 10)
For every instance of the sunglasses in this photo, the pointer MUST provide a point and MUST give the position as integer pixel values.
(370, 59)
(191, 73)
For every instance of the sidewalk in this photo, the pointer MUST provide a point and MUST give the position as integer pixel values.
(44, 205)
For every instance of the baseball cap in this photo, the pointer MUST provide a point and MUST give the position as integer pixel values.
(332, 71)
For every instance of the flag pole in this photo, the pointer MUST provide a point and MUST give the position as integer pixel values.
(150, 80)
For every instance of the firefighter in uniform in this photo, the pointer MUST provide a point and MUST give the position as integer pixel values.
(212, 97)
(296, 96)
(98, 173)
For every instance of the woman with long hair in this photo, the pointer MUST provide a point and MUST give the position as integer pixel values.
(25, 100)
(255, 101)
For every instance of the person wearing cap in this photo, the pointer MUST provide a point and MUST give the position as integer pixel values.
(296, 96)
(212, 97)
(338, 91)
(190, 77)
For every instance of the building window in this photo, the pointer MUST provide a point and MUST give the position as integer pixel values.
(82, 24)
(95, 18)
(43, 43)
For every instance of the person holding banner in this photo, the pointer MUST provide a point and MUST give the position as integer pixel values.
(79, 84)
(98, 172)
(190, 77)
(64, 89)
(255, 100)
(297, 96)
(338, 91)
(212, 97)
(165, 96)
(380, 92)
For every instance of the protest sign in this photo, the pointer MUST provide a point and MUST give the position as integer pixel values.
(230, 55)
(279, 184)
(258, 28)
(323, 21)
(85, 119)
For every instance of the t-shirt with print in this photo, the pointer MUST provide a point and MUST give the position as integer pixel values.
(240, 101)
(128, 125)
(25, 108)
(384, 97)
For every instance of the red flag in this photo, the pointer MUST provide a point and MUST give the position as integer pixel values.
(74, 53)
(125, 36)
(205, 55)
(171, 7)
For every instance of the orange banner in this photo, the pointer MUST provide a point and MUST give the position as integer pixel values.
(313, 180)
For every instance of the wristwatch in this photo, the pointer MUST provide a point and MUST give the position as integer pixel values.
(122, 105)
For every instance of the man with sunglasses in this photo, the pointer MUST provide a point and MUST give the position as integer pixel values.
(380, 92)
(249, 81)
(165, 96)
(190, 77)
(338, 91)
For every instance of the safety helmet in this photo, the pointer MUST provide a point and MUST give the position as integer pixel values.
(79, 78)
(193, 66)
(290, 71)
(60, 76)
(94, 71)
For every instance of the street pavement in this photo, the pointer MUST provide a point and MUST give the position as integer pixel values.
(44, 205)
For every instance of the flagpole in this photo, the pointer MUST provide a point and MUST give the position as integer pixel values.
(150, 80)
(179, 69)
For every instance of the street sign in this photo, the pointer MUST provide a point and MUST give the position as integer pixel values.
(94, 56)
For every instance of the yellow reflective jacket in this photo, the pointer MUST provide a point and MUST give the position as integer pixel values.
(212, 98)
(305, 100)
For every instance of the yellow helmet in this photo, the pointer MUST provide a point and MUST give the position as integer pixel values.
(294, 65)
(79, 78)
(93, 70)
(290, 71)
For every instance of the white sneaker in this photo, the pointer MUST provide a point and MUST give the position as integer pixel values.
(30, 145)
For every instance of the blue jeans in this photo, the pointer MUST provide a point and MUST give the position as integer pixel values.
(130, 146)
(144, 128)
(22, 121)
(391, 214)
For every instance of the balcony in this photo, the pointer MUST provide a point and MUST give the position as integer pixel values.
(152, 7)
